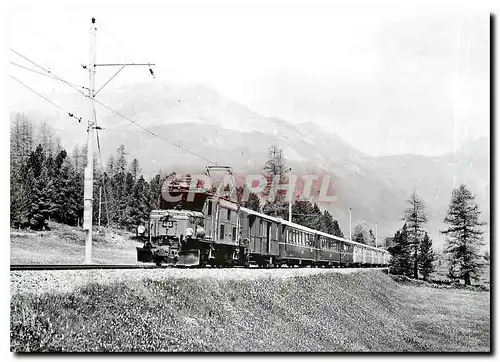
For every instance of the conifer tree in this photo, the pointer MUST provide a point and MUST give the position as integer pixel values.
(336, 229)
(426, 257)
(464, 235)
(253, 202)
(135, 168)
(401, 262)
(415, 217)
(327, 223)
(155, 186)
(275, 169)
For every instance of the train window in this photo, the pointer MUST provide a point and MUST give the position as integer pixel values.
(209, 210)
(229, 214)
(234, 234)
(221, 236)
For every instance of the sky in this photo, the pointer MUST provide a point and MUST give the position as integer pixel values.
(389, 80)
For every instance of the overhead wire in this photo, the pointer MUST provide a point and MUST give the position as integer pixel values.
(154, 133)
(70, 114)
(50, 72)
(118, 113)
(45, 75)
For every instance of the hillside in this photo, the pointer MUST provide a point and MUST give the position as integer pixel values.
(361, 311)
(229, 133)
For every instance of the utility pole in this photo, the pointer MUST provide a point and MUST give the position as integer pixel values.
(290, 195)
(350, 225)
(89, 170)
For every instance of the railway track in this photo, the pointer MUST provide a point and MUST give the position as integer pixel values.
(20, 267)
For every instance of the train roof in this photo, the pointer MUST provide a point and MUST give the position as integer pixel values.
(264, 216)
(306, 229)
(176, 212)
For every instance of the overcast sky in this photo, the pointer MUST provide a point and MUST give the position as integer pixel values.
(388, 82)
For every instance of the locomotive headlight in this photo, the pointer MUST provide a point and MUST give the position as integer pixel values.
(189, 232)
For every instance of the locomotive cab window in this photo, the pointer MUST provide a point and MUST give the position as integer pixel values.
(209, 208)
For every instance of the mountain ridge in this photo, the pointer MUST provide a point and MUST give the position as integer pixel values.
(224, 131)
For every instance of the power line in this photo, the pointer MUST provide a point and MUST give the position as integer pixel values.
(116, 112)
(49, 72)
(48, 100)
(154, 133)
(45, 75)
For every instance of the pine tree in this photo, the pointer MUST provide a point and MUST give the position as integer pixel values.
(139, 207)
(135, 168)
(46, 139)
(336, 229)
(464, 235)
(253, 202)
(302, 212)
(21, 186)
(275, 168)
(315, 221)
(327, 223)
(277, 209)
(110, 166)
(121, 161)
(426, 257)
(401, 262)
(155, 186)
(58, 182)
(415, 217)
(72, 191)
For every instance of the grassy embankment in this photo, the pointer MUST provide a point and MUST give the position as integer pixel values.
(365, 311)
(64, 244)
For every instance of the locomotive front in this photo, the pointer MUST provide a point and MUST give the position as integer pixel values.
(174, 238)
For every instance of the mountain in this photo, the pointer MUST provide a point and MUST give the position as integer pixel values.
(218, 129)
(435, 177)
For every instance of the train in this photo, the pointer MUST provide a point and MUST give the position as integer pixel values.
(203, 229)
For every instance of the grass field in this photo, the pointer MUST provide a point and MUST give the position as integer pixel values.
(441, 272)
(64, 244)
(365, 311)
